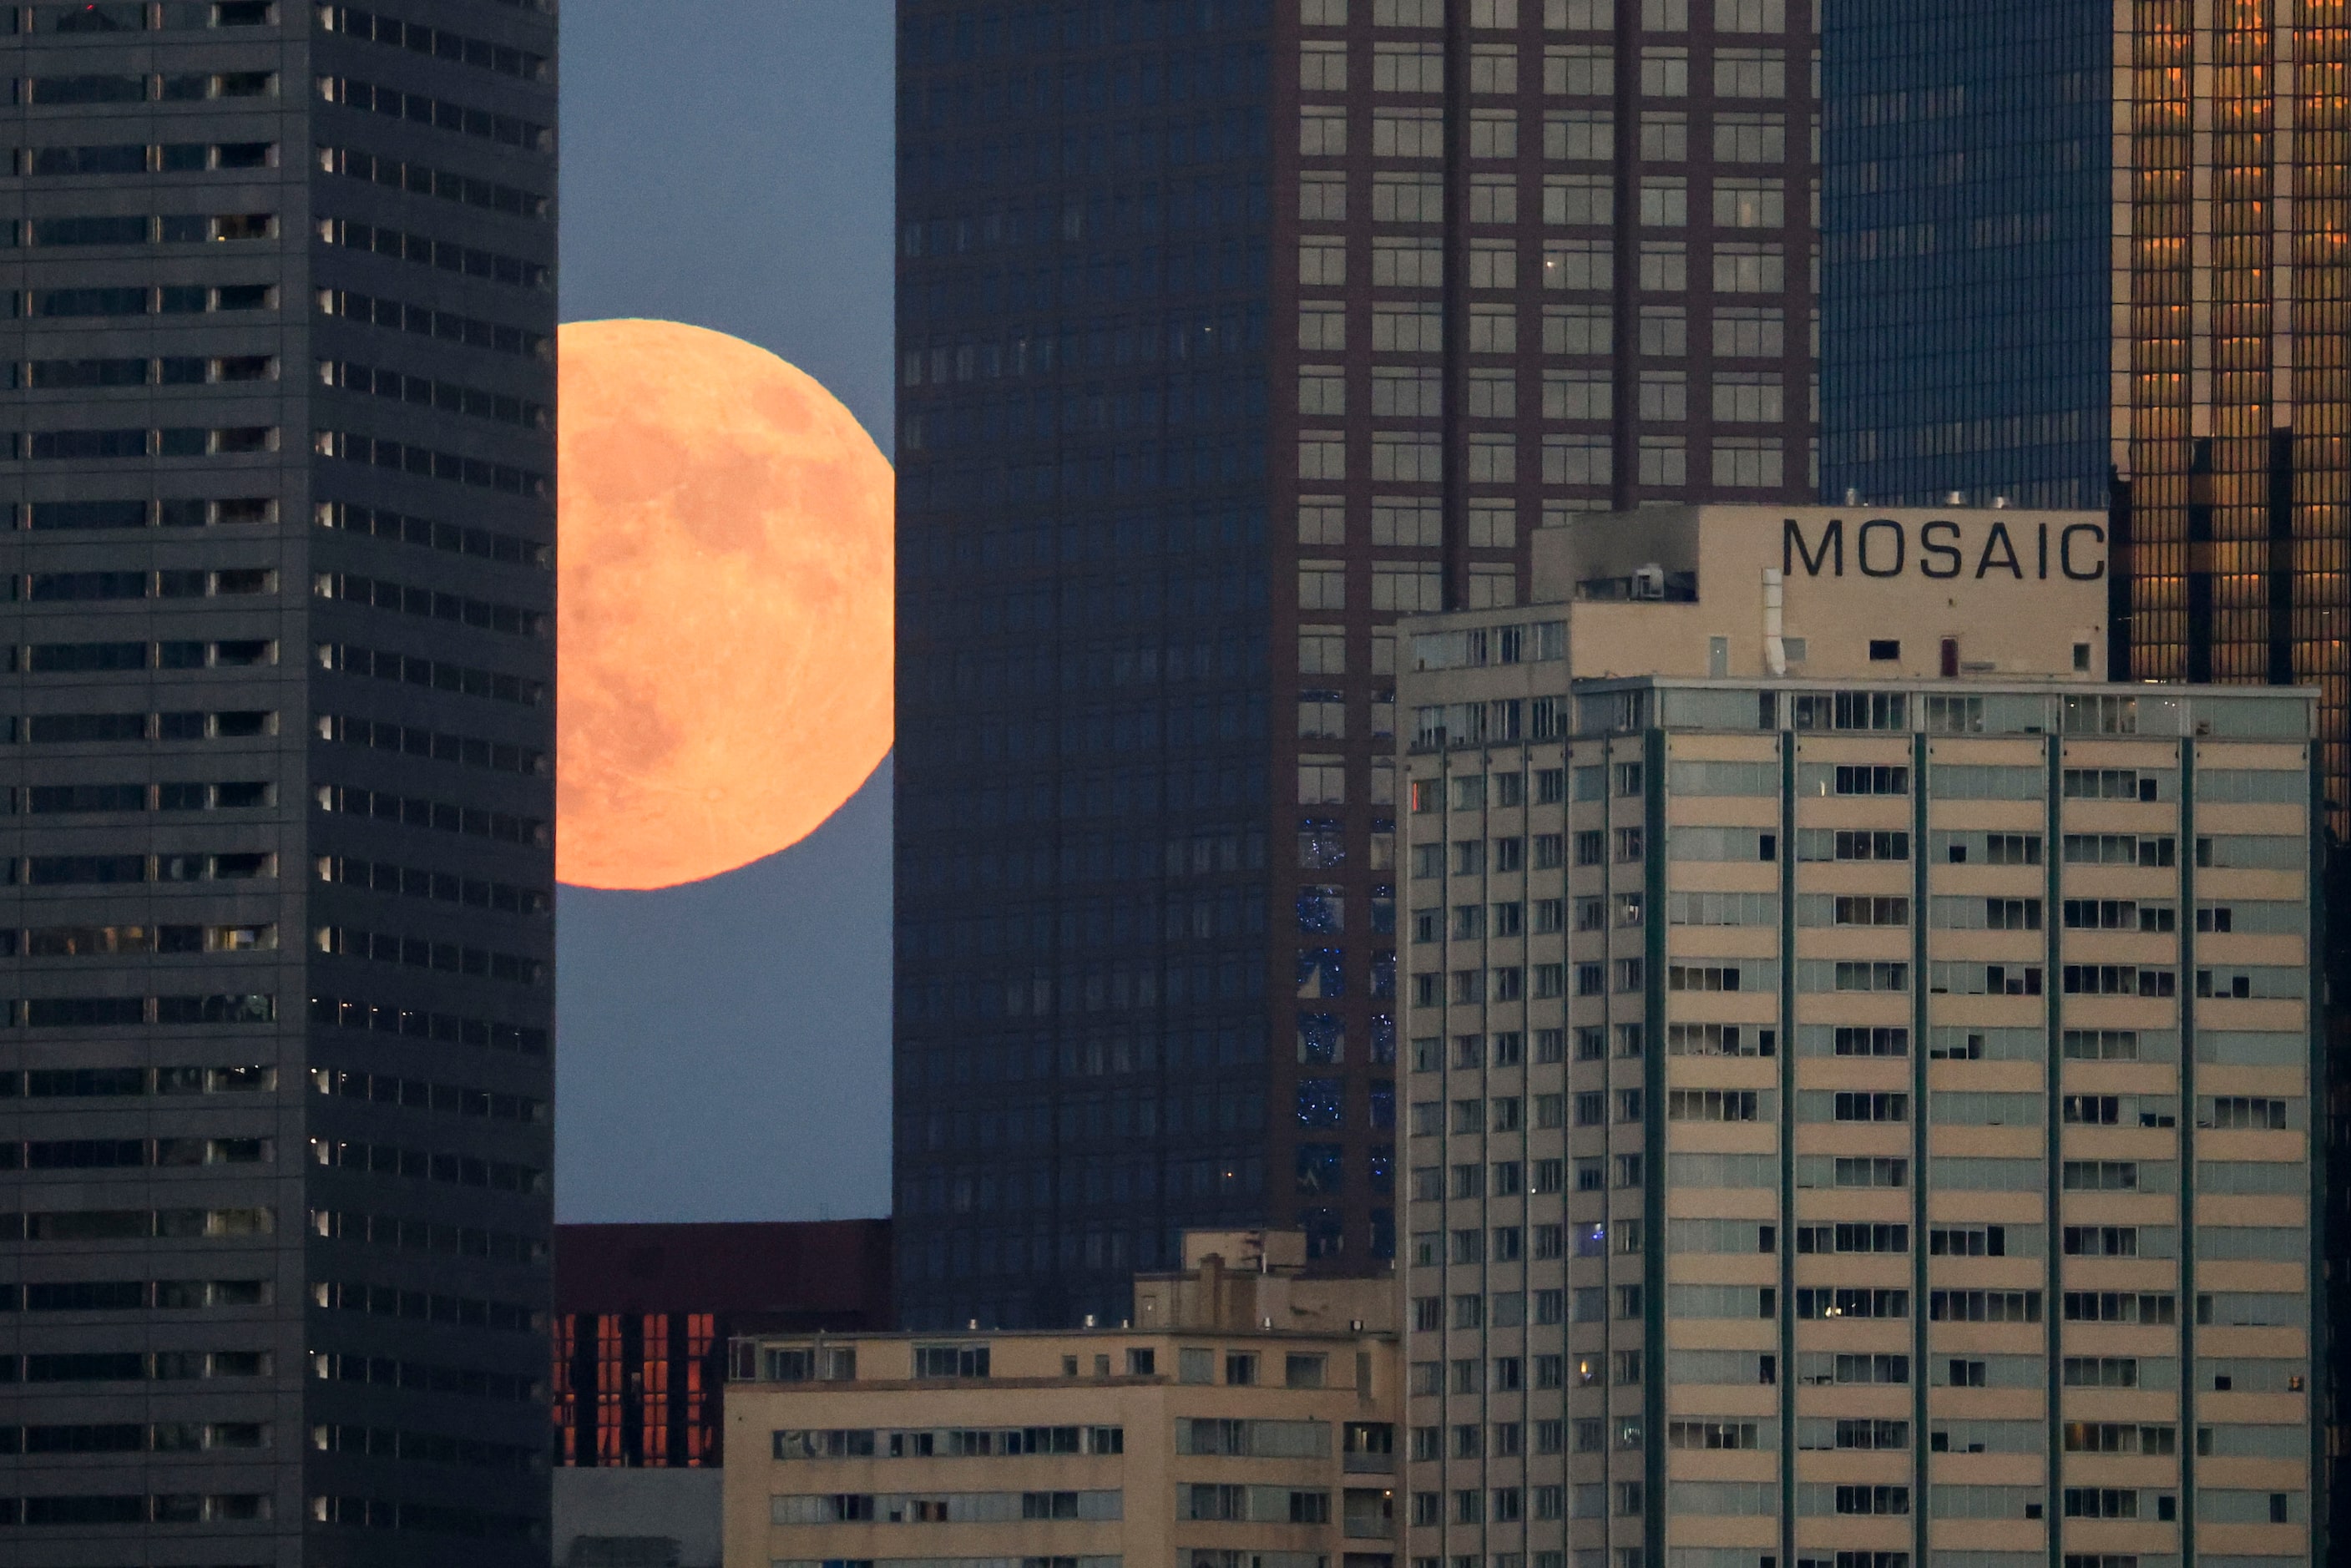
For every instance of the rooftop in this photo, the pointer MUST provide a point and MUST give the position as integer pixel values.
(834, 1274)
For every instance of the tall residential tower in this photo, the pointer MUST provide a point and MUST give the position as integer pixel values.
(1859, 1064)
(276, 482)
(1231, 331)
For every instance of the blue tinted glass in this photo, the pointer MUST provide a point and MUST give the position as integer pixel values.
(1322, 1039)
(1322, 1101)
(1966, 214)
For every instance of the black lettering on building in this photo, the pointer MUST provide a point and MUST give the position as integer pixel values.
(1831, 550)
(1935, 558)
(1880, 526)
(2000, 550)
(2097, 569)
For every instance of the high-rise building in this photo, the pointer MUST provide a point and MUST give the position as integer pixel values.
(2098, 255)
(278, 1059)
(1229, 333)
(1859, 1064)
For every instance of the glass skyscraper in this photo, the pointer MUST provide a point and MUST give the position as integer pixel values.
(276, 1067)
(2100, 255)
(2080, 256)
(1231, 331)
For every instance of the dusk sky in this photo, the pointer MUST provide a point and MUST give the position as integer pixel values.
(725, 1046)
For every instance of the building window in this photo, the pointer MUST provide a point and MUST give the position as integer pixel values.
(1747, 461)
(1750, 203)
(1664, 202)
(1664, 461)
(951, 1361)
(1584, 460)
(1664, 72)
(1494, 198)
(1751, 73)
(1323, 130)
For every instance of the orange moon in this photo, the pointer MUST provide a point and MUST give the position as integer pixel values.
(726, 583)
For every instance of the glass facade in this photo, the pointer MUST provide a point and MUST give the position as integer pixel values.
(2235, 486)
(1231, 333)
(639, 1390)
(1965, 209)
(644, 1313)
(1083, 761)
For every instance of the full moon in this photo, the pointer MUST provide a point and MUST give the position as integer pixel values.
(725, 576)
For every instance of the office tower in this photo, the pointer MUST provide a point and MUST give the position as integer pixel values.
(1246, 1419)
(1871, 1128)
(2097, 256)
(280, 316)
(1229, 333)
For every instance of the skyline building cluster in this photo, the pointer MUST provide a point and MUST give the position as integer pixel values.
(1806, 1021)
(1228, 334)
(2073, 258)
(2084, 256)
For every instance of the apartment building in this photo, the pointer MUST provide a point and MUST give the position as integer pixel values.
(1230, 332)
(1243, 1416)
(1860, 1063)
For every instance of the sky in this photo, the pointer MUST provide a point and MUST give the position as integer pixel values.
(724, 1048)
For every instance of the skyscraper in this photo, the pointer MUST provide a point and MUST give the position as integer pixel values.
(2087, 256)
(1857, 1098)
(1229, 333)
(2095, 255)
(277, 1056)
